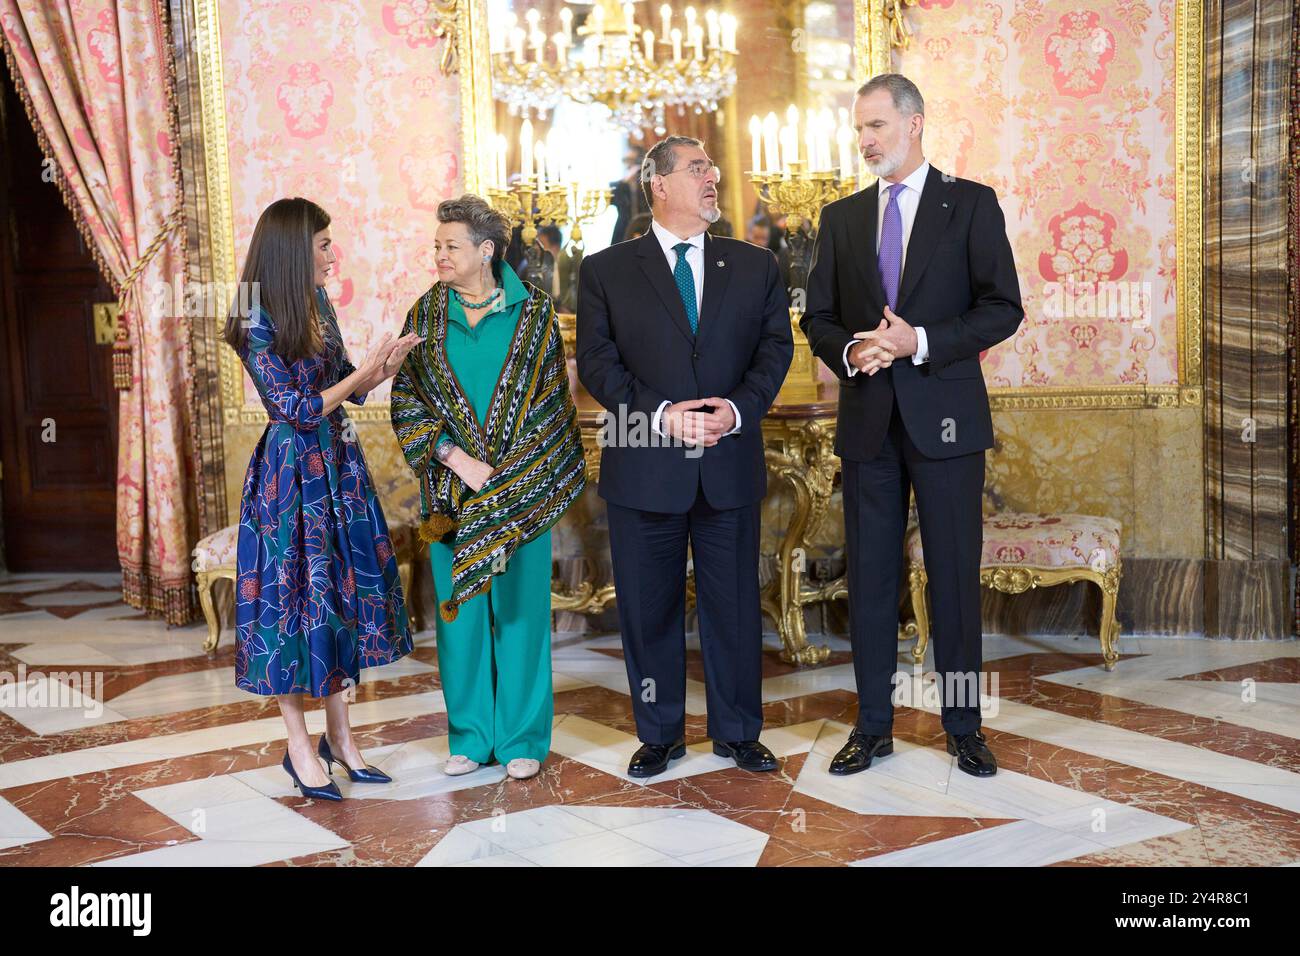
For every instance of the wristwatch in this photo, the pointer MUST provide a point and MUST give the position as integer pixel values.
(442, 451)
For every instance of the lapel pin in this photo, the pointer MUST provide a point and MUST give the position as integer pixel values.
(721, 263)
(945, 205)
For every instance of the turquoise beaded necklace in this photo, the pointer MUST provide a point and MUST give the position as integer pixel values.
(464, 304)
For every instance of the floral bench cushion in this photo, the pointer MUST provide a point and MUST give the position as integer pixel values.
(216, 550)
(1041, 541)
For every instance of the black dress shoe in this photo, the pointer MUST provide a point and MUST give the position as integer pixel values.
(651, 759)
(973, 756)
(748, 754)
(857, 753)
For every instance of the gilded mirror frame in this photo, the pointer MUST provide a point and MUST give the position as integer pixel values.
(879, 28)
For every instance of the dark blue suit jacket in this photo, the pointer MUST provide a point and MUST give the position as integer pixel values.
(959, 283)
(635, 350)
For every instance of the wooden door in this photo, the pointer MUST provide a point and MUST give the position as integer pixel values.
(58, 407)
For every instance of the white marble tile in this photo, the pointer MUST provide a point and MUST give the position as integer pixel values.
(46, 705)
(606, 848)
(744, 853)
(71, 598)
(529, 829)
(503, 859)
(1022, 843)
(460, 846)
(402, 667)
(177, 799)
(814, 681)
(1111, 824)
(208, 853)
(17, 583)
(696, 835)
(17, 828)
(175, 693)
(231, 831)
(793, 739)
(156, 652)
(223, 808)
(616, 818)
(72, 653)
(566, 682)
(1015, 795)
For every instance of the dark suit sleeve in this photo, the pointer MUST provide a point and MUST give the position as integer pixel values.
(996, 312)
(757, 389)
(821, 322)
(600, 367)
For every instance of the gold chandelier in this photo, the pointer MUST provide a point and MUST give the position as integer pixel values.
(611, 59)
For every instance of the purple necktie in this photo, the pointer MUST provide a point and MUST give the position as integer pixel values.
(890, 256)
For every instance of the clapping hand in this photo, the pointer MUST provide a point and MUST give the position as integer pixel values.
(397, 354)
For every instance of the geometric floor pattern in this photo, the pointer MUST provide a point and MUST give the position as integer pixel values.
(122, 744)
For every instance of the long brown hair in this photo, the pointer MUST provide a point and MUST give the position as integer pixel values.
(281, 266)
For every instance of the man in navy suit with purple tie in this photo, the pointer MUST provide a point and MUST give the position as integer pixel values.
(912, 278)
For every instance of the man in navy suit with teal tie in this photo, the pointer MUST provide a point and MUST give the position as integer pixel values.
(686, 336)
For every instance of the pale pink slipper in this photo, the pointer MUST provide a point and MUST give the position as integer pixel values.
(459, 764)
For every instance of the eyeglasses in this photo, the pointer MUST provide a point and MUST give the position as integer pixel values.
(698, 170)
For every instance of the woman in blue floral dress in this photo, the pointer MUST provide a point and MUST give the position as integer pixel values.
(317, 595)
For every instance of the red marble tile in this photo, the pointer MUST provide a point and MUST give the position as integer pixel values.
(1278, 670)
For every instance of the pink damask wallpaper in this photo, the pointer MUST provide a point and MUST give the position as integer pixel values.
(1067, 110)
(344, 103)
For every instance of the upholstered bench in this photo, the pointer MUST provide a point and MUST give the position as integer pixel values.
(1023, 551)
(214, 560)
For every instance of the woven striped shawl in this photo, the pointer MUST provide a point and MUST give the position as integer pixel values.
(530, 437)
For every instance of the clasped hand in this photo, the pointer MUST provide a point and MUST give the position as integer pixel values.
(892, 338)
(683, 420)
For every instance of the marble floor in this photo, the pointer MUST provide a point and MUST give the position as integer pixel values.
(123, 743)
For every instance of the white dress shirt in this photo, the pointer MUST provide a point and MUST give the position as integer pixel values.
(908, 198)
(695, 260)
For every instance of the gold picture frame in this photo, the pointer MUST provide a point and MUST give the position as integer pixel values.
(880, 27)
(465, 28)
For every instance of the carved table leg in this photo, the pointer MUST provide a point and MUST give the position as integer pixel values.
(921, 610)
(806, 461)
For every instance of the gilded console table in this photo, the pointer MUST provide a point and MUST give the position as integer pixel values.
(800, 439)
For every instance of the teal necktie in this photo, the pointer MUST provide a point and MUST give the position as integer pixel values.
(686, 285)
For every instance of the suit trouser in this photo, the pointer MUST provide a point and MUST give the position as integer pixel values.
(949, 511)
(648, 550)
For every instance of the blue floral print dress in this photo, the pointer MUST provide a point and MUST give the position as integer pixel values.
(318, 595)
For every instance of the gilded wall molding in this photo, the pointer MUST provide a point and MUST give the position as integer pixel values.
(880, 29)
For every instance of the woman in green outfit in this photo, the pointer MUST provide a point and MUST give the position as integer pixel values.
(483, 413)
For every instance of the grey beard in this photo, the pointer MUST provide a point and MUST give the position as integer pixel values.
(710, 215)
(887, 165)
